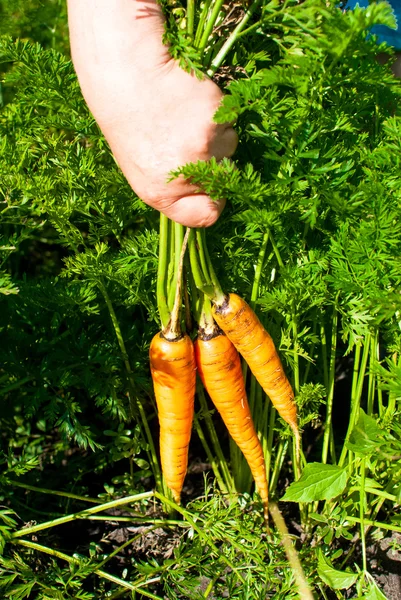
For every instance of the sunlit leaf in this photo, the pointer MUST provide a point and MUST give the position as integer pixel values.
(317, 482)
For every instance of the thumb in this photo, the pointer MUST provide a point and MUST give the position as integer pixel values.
(196, 210)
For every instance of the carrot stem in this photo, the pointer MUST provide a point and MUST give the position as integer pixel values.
(356, 396)
(379, 389)
(218, 294)
(75, 561)
(323, 339)
(276, 252)
(187, 301)
(355, 372)
(202, 21)
(202, 280)
(210, 24)
(215, 440)
(199, 234)
(196, 268)
(229, 43)
(278, 463)
(82, 514)
(266, 9)
(117, 330)
(209, 455)
(161, 287)
(328, 431)
(255, 285)
(303, 587)
(259, 269)
(171, 270)
(362, 509)
(190, 17)
(377, 524)
(311, 353)
(40, 490)
(296, 440)
(295, 353)
(173, 330)
(206, 321)
(372, 377)
(196, 300)
(391, 406)
(178, 242)
(131, 387)
(269, 445)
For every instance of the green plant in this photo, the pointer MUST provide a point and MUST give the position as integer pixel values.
(310, 237)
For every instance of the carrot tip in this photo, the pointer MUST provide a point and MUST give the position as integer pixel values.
(176, 496)
(266, 517)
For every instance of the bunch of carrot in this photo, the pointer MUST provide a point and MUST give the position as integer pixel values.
(227, 326)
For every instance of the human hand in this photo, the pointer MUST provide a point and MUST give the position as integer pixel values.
(155, 116)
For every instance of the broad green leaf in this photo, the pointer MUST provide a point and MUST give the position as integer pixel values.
(317, 482)
(142, 463)
(366, 435)
(374, 593)
(317, 517)
(337, 580)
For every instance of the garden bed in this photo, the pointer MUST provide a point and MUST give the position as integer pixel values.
(310, 237)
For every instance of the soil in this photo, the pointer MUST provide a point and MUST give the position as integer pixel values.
(383, 555)
(385, 565)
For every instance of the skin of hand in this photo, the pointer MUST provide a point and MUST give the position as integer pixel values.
(155, 116)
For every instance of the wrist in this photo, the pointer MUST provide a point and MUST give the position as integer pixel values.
(113, 34)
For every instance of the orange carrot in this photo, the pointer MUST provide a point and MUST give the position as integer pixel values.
(219, 367)
(243, 328)
(173, 369)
